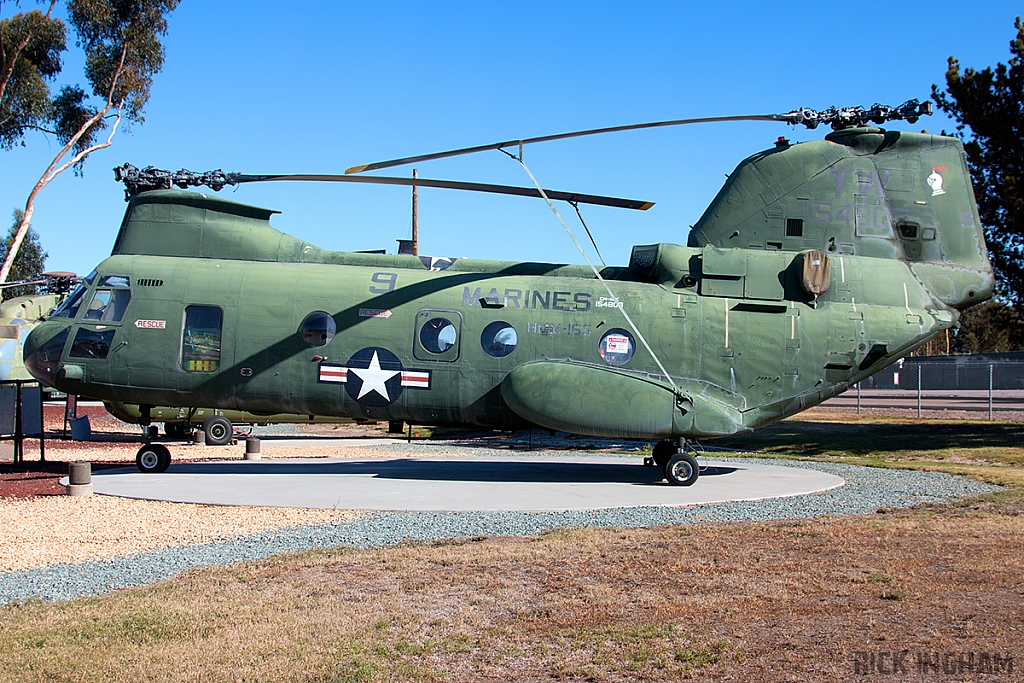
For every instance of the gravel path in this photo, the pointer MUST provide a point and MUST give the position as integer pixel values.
(866, 490)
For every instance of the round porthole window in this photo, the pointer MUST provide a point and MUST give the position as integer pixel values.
(438, 335)
(616, 346)
(318, 329)
(499, 339)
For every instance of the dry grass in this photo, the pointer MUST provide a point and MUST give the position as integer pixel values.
(778, 601)
(749, 602)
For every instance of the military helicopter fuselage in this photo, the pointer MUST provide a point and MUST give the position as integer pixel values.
(817, 264)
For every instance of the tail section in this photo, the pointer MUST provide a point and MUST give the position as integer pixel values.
(865, 192)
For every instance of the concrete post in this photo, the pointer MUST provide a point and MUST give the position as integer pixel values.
(252, 448)
(79, 479)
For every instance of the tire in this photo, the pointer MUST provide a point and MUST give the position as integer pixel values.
(682, 470)
(662, 451)
(218, 430)
(153, 458)
(177, 430)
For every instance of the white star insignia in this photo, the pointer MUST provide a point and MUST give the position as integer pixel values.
(374, 378)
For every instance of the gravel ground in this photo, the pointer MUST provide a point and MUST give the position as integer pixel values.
(48, 530)
(866, 491)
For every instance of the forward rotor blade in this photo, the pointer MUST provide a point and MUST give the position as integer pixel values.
(637, 204)
(22, 283)
(560, 136)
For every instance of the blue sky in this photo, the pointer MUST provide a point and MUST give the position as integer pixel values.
(321, 86)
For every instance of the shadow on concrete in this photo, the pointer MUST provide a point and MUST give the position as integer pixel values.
(518, 471)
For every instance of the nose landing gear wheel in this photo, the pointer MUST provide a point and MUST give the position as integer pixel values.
(153, 458)
(682, 470)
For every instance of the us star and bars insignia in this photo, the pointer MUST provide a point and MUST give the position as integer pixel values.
(374, 376)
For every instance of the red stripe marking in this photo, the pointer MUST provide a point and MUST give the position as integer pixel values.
(416, 379)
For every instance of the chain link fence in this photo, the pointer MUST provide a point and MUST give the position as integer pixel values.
(980, 372)
(937, 386)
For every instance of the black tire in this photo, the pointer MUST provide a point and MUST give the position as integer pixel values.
(682, 470)
(153, 458)
(662, 451)
(218, 430)
(177, 430)
(152, 432)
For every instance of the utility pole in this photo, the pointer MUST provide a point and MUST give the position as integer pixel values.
(415, 216)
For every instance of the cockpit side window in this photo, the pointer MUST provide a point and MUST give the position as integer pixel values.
(108, 305)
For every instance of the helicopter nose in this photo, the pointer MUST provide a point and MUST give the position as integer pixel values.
(43, 349)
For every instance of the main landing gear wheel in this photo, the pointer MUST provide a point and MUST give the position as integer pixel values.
(218, 430)
(153, 457)
(682, 470)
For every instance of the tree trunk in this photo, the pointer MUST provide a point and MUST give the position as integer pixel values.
(23, 227)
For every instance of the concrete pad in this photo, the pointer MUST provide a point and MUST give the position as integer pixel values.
(523, 483)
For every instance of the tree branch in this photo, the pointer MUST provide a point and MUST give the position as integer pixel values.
(84, 153)
(52, 171)
(6, 77)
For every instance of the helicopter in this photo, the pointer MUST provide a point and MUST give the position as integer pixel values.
(816, 265)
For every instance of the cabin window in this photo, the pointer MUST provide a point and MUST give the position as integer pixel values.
(616, 346)
(200, 338)
(499, 339)
(8, 350)
(108, 305)
(794, 227)
(318, 329)
(438, 335)
(91, 343)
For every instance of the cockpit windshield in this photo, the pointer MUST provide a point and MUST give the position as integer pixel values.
(69, 307)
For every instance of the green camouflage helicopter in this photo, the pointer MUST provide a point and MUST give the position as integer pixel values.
(816, 265)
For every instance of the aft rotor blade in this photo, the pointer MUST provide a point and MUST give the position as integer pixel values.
(838, 118)
(560, 136)
(452, 185)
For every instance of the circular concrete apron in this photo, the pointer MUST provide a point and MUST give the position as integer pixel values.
(524, 483)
